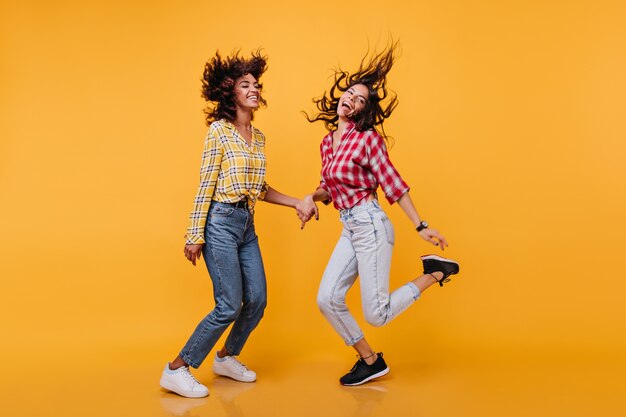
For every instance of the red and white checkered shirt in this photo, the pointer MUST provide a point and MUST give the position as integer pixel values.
(360, 165)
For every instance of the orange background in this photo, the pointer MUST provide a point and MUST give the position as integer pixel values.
(510, 131)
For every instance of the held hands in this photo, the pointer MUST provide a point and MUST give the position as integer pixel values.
(193, 252)
(306, 209)
(433, 236)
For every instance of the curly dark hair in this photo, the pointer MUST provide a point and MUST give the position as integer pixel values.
(373, 74)
(218, 82)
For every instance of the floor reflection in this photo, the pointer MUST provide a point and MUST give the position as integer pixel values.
(221, 389)
(368, 396)
(178, 406)
(227, 391)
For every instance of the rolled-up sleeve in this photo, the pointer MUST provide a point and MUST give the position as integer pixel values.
(324, 187)
(386, 174)
(263, 191)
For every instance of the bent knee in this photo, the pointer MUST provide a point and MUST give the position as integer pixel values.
(226, 314)
(323, 302)
(375, 319)
(326, 303)
(257, 303)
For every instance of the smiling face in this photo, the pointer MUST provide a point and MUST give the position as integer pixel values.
(353, 101)
(247, 92)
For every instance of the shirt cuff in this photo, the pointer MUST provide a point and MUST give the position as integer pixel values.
(329, 200)
(397, 194)
(263, 191)
(194, 239)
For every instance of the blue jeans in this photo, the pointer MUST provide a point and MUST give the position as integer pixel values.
(364, 250)
(233, 258)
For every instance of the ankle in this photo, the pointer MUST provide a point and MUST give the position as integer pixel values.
(222, 353)
(370, 359)
(174, 366)
(437, 275)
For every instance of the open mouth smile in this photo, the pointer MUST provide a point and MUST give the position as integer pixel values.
(347, 106)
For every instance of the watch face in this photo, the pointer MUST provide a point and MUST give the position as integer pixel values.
(424, 225)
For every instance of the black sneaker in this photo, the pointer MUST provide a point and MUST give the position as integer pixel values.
(434, 263)
(361, 372)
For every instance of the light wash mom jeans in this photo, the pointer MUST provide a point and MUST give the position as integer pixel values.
(364, 250)
(232, 255)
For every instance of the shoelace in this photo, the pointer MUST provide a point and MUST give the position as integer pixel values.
(240, 366)
(356, 365)
(189, 377)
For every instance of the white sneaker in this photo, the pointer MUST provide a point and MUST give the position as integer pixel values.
(234, 369)
(182, 382)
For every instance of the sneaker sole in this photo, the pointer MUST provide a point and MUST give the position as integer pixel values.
(378, 375)
(438, 258)
(182, 393)
(236, 377)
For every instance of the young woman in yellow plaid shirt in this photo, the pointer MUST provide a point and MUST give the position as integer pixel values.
(221, 227)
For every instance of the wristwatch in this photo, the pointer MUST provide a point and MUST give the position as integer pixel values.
(423, 225)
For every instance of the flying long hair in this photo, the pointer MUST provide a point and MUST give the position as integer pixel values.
(372, 73)
(218, 83)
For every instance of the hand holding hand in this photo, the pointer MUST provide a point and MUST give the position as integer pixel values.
(193, 252)
(433, 236)
(306, 209)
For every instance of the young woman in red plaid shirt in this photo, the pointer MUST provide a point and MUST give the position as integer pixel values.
(355, 163)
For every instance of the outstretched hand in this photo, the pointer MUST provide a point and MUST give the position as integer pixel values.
(433, 236)
(306, 209)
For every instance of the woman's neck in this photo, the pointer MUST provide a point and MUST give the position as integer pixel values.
(243, 119)
(342, 123)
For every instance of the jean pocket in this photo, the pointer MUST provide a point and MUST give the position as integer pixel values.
(388, 227)
(362, 219)
(220, 211)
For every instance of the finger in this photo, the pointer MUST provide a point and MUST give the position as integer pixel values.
(317, 213)
(440, 239)
(302, 224)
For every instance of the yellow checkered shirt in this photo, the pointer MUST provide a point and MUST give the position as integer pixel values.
(230, 172)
